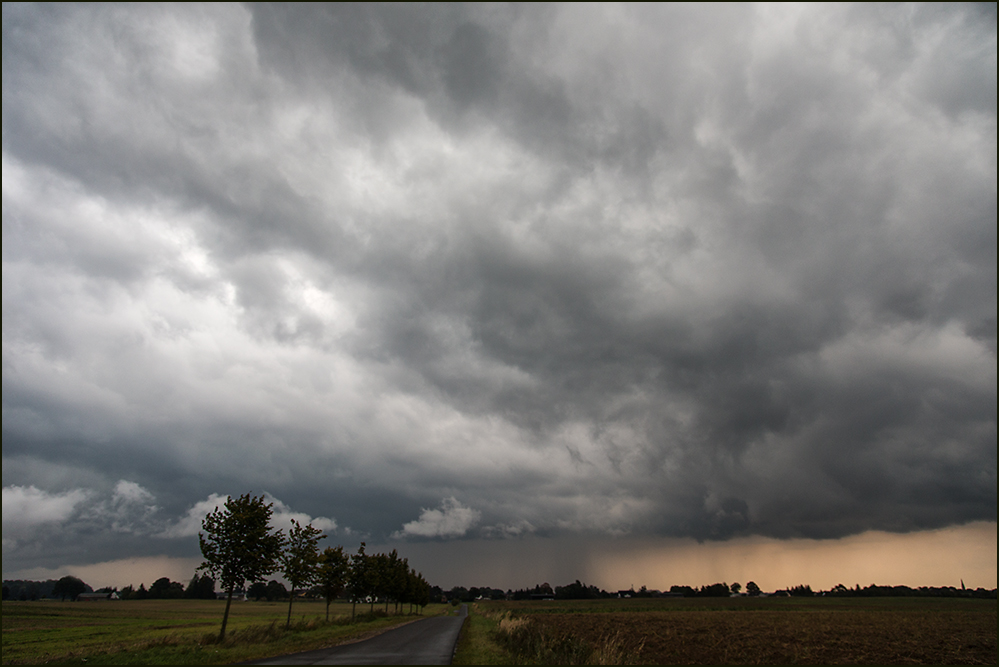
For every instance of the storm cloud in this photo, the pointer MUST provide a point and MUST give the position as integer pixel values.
(463, 272)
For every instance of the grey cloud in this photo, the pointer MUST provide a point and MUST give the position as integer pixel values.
(451, 520)
(646, 269)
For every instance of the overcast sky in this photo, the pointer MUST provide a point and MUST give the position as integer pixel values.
(495, 277)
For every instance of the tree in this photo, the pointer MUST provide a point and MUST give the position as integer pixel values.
(69, 587)
(396, 575)
(164, 589)
(387, 576)
(752, 589)
(300, 559)
(378, 579)
(200, 588)
(275, 590)
(239, 545)
(573, 591)
(359, 581)
(417, 590)
(257, 590)
(424, 593)
(736, 587)
(714, 591)
(334, 568)
(802, 590)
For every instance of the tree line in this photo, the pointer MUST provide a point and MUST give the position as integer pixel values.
(203, 587)
(581, 591)
(70, 588)
(199, 588)
(51, 589)
(239, 546)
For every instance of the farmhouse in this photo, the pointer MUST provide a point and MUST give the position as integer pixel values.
(96, 597)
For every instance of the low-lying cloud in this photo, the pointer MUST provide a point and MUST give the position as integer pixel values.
(27, 507)
(452, 520)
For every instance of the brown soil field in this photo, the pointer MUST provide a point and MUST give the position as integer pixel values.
(884, 631)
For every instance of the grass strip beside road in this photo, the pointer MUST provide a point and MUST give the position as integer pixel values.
(176, 631)
(476, 645)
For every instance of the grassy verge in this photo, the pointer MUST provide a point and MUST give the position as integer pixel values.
(477, 644)
(535, 643)
(176, 632)
(497, 638)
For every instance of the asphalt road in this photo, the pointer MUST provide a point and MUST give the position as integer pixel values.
(427, 642)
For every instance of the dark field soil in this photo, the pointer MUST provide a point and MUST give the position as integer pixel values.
(884, 631)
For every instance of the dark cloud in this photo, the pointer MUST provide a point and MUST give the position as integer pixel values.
(463, 272)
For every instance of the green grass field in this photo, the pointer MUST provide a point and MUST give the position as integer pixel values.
(732, 631)
(175, 631)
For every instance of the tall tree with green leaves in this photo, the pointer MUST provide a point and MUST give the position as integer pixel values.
(379, 577)
(200, 588)
(358, 582)
(421, 591)
(300, 559)
(411, 591)
(239, 545)
(334, 569)
(69, 587)
(397, 573)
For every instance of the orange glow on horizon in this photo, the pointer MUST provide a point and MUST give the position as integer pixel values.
(929, 558)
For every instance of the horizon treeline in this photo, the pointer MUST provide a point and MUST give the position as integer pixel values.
(580, 591)
(200, 587)
(203, 588)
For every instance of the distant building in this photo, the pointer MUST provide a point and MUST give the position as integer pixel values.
(239, 595)
(96, 597)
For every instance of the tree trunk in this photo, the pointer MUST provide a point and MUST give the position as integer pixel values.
(353, 608)
(291, 598)
(225, 616)
(327, 610)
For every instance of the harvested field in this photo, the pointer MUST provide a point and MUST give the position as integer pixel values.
(886, 631)
(175, 631)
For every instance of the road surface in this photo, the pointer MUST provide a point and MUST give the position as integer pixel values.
(427, 642)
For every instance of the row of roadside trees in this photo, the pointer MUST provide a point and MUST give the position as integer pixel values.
(239, 545)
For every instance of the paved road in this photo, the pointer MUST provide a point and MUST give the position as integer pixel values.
(427, 642)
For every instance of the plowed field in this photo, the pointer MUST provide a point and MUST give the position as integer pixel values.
(873, 632)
